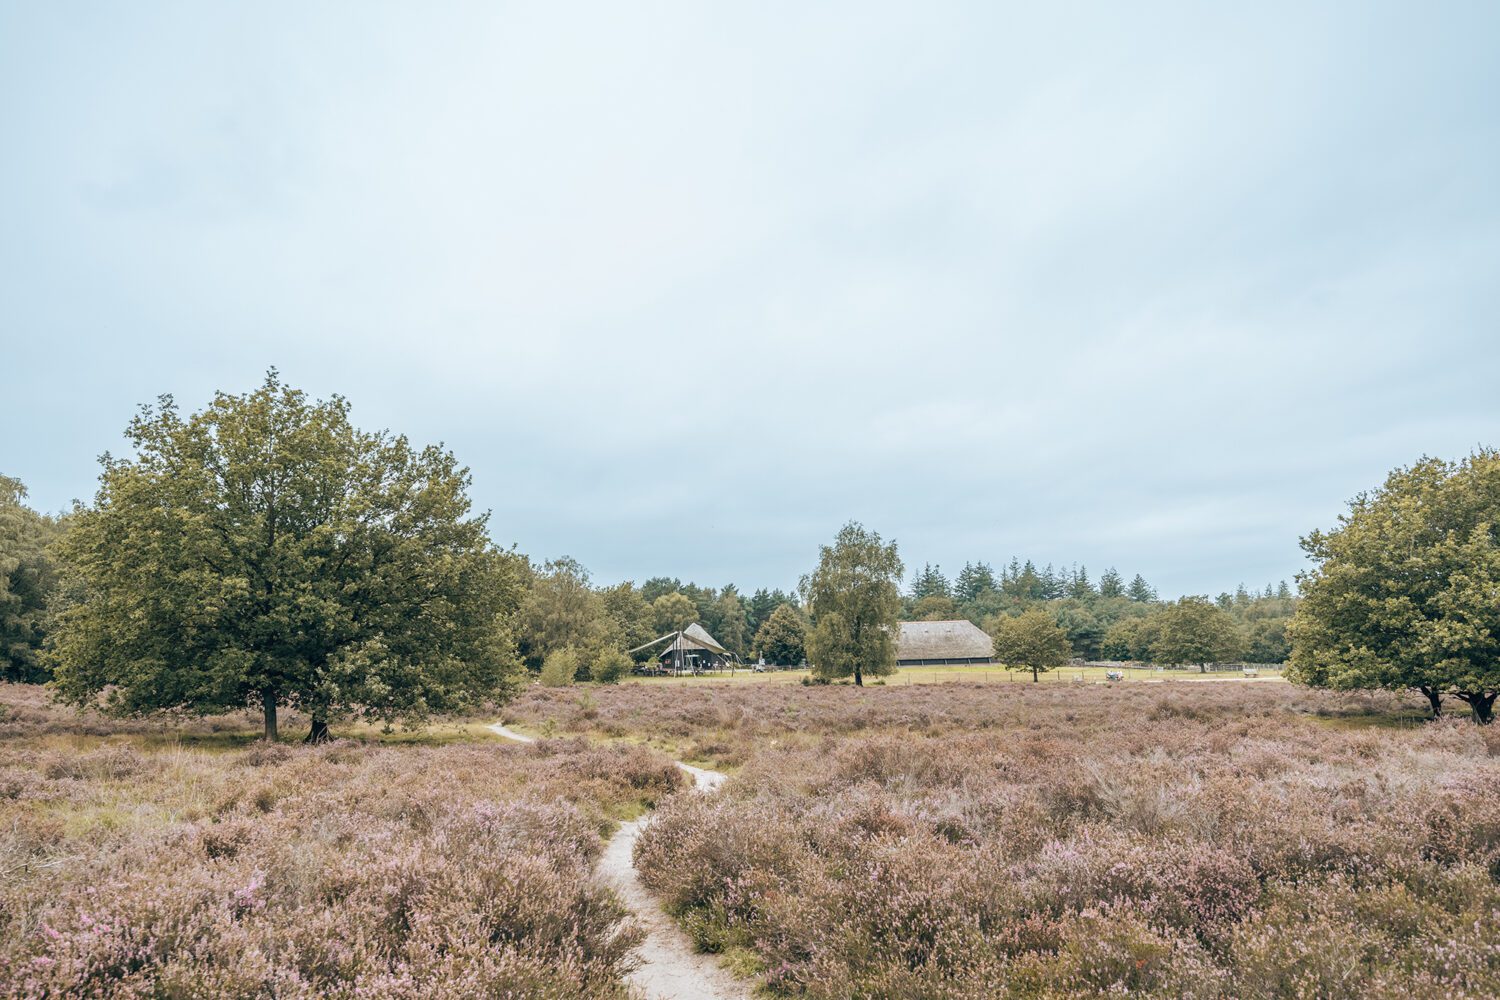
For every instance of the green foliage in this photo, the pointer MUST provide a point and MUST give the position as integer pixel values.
(1031, 641)
(1194, 630)
(561, 667)
(930, 583)
(854, 600)
(1110, 584)
(1403, 594)
(630, 619)
(1140, 590)
(28, 582)
(674, 612)
(783, 638)
(610, 666)
(266, 549)
(1083, 628)
(560, 610)
(728, 621)
(1266, 641)
(934, 608)
(973, 580)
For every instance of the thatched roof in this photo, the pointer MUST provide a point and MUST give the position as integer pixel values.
(695, 636)
(959, 640)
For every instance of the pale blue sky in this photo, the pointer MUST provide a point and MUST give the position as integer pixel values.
(1152, 285)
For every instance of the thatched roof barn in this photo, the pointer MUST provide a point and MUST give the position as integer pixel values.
(943, 642)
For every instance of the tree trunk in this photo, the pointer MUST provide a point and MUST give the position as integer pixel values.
(268, 707)
(319, 732)
(1481, 704)
(859, 678)
(1434, 698)
(1035, 675)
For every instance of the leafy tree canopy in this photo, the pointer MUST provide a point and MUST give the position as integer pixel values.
(1195, 630)
(265, 549)
(28, 581)
(854, 599)
(1403, 593)
(1031, 641)
(783, 638)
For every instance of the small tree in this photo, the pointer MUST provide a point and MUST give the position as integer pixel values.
(611, 665)
(854, 598)
(561, 667)
(1403, 594)
(1031, 641)
(266, 551)
(1195, 630)
(783, 638)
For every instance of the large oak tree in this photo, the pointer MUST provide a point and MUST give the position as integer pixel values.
(266, 551)
(1406, 590)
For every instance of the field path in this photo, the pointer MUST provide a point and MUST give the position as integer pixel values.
(669, 967)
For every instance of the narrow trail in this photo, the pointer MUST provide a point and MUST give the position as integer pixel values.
(669, 967)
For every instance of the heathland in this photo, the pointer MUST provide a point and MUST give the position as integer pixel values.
(963, 840)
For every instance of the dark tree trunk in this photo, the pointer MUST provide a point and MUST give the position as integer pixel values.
(1036, 675)
(319, 732)
(268, 708)
(859, 678)
(1481, 704)
(1434, 698)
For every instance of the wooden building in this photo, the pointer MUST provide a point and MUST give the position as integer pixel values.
(690, 651)
(928, 643)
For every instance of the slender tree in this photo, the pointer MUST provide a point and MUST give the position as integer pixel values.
(264, 550)
(854, 599)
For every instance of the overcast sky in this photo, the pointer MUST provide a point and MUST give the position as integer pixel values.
(1150, 285)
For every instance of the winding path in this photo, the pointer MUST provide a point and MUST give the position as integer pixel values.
(669, 967)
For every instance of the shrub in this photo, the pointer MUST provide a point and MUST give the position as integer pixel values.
(611, 666)
(560, 668)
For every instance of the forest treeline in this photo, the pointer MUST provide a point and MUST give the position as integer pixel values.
(266, 551)
(1111, 619)
(586, 628)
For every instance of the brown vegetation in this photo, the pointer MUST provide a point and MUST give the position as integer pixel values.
(1221, 840)
(342, 869)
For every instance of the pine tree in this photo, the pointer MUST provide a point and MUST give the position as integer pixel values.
(1140, 590)
(974, 580)
(1110, 584)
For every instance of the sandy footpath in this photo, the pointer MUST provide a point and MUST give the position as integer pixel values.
(669, 967)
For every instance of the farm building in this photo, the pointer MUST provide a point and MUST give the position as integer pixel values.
(943, 642)
(690, 651)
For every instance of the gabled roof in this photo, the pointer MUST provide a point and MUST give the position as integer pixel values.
(695, 636)
(955, 640)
